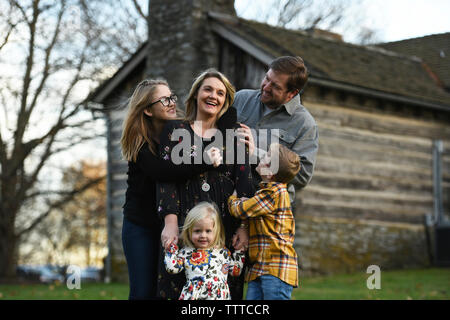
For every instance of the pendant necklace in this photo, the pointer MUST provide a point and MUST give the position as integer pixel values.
(205, 185)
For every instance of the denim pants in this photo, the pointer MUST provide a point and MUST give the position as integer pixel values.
(141, 248)
(268, 287)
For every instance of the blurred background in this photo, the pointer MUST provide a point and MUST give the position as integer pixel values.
(53, 141)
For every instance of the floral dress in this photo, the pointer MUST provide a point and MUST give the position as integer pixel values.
(206, 271)
(182, 197)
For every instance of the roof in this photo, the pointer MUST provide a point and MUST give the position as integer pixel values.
(108, 86)
(433, 49)
(372, 69)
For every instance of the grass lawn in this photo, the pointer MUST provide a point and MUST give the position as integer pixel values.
(59, 291)
(398, 285)
(395, 285)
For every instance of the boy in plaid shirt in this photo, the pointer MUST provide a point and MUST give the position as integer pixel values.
(273, 268)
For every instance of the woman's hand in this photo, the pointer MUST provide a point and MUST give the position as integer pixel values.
(215, 156)
(245, 136)
(240, 239)
(169, 234)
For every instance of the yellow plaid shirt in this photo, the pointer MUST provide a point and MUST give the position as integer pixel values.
(271, 231)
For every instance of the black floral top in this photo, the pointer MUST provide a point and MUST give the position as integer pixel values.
(214, 185)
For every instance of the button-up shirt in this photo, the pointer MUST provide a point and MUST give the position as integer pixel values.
(271, 232)
(296, 129)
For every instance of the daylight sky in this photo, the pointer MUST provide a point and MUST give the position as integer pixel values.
(403, 19)
(395, 19)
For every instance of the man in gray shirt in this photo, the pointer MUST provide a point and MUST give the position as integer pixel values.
(276, 105)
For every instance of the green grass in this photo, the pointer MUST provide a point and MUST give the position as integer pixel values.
(88, 291)
(395, 285)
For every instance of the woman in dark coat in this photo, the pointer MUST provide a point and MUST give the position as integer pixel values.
(209, 121)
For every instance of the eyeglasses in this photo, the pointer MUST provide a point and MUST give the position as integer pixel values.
(165, 101)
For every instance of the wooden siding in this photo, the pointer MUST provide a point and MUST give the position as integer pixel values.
(372, 165)
(118, 166)
(375, 157)
(243, 70)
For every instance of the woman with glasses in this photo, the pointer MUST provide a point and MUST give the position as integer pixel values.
(149, 108)
(208, 116)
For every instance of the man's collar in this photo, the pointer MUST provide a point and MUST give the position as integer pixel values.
(270, 184)
(292, 104)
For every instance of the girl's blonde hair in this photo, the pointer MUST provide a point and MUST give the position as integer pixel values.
(191, 102)
(201, 211)
(137, 127)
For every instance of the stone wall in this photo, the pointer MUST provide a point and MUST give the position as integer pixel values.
(181, 43)
(338, 245)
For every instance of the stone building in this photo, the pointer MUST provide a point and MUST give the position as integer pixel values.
(378, 109)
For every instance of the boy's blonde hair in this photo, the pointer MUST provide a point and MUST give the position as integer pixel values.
(201, 211)
(288, 163)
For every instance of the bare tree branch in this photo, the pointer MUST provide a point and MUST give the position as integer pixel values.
(59, 204)
(46, 70)
(70, 51)
(139, 9)
(21, 119)
(76, 142)
(22, 10)
(3, 153)
(8, 34)
(308, 14)
(26, 148)
(290, 10)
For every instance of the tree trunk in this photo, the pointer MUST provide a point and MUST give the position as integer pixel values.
(8, 239)
(8, 257)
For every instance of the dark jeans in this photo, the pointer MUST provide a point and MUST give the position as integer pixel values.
(141, 248)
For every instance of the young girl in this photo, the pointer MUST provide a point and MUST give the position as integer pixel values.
(205, 259)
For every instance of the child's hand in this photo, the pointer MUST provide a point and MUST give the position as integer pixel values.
(234, 193)
(240, 239)
(173, 248)
(214, 155)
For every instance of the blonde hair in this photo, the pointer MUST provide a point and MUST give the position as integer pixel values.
(201, 211)
(137, 127)
(288, 163)
(191, 102)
